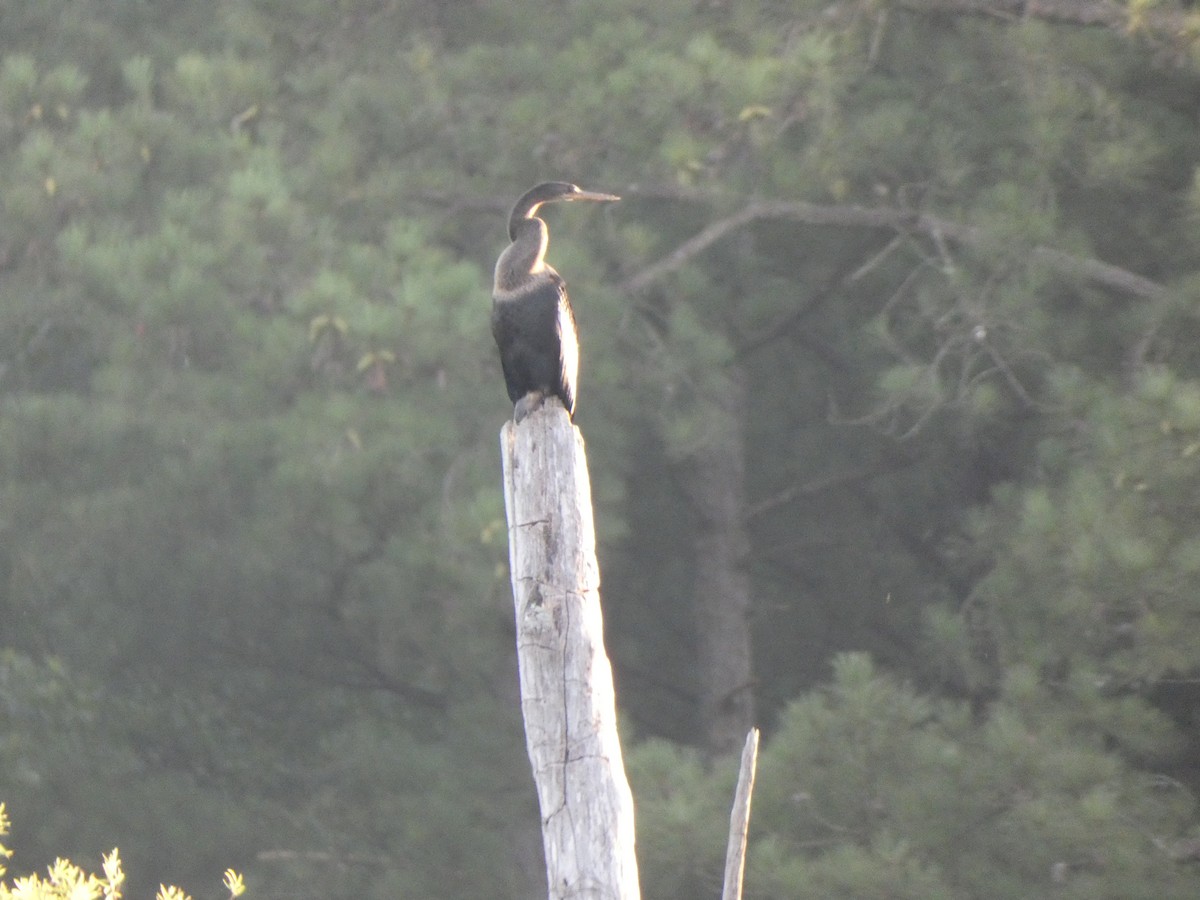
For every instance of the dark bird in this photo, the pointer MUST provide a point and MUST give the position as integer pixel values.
(532, 319)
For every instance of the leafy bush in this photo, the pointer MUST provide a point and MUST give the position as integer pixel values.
(66, 881)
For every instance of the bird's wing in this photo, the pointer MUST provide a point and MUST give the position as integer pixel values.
(568, 340)
(501, 331)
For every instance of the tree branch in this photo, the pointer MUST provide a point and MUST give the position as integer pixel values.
(1163, 23)
(899, 220)
(847, 274)
(825, 483)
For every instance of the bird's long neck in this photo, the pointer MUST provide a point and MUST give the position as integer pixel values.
(525, 258)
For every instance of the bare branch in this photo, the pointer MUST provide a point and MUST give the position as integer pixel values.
(899, 220)
(825, 483)
(690, 248)
(739, 820)
(1162, 23)
(846, 276)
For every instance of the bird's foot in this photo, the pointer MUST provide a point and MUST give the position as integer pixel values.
(531, 402)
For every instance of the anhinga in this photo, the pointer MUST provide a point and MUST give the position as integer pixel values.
(532, 319)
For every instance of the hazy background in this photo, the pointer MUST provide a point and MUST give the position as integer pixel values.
(903, 470)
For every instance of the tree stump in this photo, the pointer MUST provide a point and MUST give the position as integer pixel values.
(567, 697)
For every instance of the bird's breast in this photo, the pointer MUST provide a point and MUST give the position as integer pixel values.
(541, 283)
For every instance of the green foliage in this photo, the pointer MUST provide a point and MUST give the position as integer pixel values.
(66, 881)
(1095, 565)
(870, 789)
(682, 816)
(252, 548)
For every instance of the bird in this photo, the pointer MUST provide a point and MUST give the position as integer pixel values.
(532, 319)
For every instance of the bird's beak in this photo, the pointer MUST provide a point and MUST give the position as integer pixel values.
(592, 195)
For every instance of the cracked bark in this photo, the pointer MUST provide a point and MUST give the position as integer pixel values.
(567, 698)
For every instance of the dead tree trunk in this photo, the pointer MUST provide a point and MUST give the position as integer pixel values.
(567, 697)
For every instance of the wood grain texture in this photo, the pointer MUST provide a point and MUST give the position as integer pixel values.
(739, 820)
(567, 698)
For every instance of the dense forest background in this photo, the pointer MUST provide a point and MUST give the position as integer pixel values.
(890, 384)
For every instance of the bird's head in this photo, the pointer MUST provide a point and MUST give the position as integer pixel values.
(549, 192)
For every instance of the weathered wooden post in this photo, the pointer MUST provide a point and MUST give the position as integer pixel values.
(567, 697)
(739, 820)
